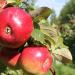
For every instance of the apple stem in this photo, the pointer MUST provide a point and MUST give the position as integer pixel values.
(52, 71)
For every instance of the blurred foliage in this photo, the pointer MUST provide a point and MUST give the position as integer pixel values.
(67, 13)
(66, 22)
(62, 69)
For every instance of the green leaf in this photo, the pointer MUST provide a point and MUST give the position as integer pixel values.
(63, 55)
(60, 43)
(39, 13)
(17, 2)
(38, 36)
(49, 42)
(13, 71)
(43, 39)
(50, 33)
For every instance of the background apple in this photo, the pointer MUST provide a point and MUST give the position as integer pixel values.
(9, 56)
(36, 60)
(16, 26)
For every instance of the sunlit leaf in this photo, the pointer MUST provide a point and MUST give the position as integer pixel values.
(10, 1)
(53, 33)
(63, 55)
(39, 13)
(50, 33)
(17, 2)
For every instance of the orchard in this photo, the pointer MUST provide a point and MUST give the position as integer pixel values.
(28, 44)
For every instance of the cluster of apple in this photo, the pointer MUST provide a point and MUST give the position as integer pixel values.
(16, 26)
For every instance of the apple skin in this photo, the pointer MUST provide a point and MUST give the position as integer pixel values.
(9, 56)
(36, 60)
(16, 26)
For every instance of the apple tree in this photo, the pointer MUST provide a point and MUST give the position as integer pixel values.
(29, 44)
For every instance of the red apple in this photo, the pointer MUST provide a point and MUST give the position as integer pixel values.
(9, 56)
(36, 60)
(16, 26)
